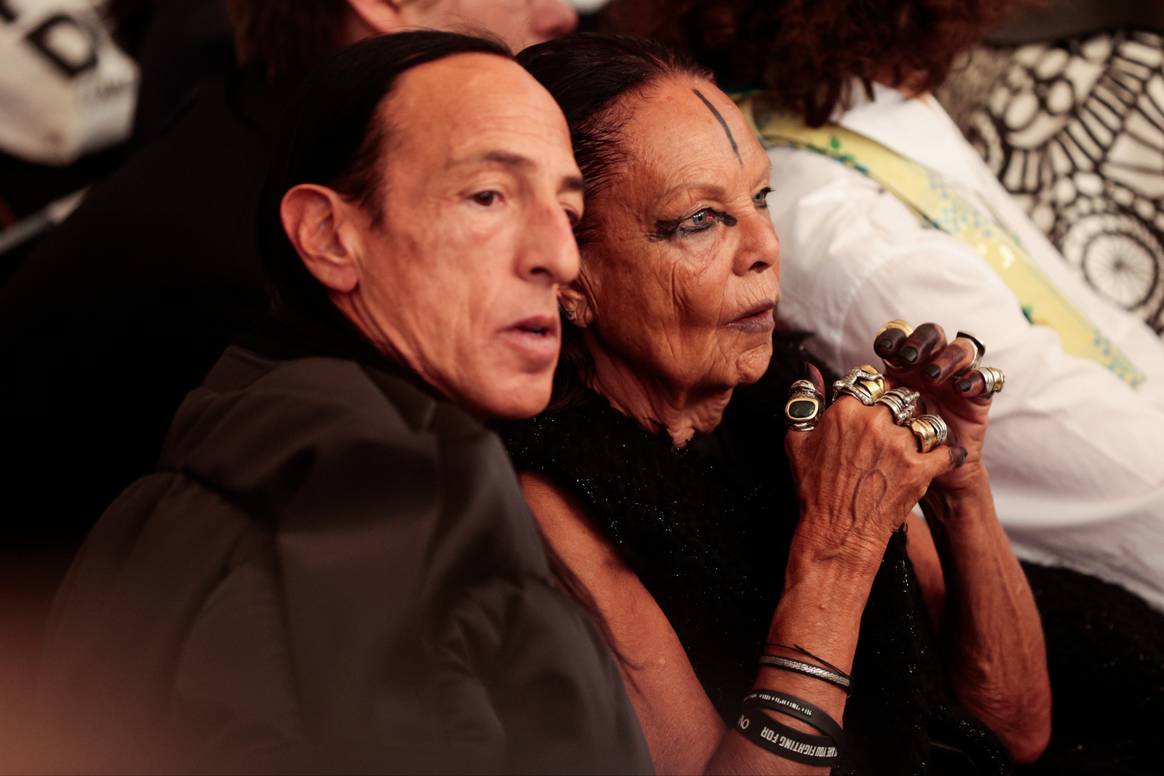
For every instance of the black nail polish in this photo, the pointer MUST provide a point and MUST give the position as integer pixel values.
(932, 371)
(909, 354)
(885, 344)
(964, 385)
(962, 453)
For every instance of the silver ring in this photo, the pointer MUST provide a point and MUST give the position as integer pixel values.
(902, 404)
(864, 383)
(994, 378)
(979, 348)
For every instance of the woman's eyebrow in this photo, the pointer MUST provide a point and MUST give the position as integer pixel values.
(722, 123)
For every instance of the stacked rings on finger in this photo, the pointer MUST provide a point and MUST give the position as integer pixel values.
(804, 406)
(864, 383)
(902, 403)
(930, 431)
(979, 348)
(994, 379)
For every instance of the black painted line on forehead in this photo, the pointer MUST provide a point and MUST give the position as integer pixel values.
(722, 123)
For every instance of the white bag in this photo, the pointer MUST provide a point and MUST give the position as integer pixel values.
(65, 87)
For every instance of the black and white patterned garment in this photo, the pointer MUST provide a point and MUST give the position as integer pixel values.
(1075, 130)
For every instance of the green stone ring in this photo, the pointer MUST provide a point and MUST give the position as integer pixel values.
(802, 409)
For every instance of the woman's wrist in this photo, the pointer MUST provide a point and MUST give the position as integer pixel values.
(834, 584)
(969, 494)
(817, 551)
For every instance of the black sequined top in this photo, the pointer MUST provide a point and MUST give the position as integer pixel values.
(707, 530)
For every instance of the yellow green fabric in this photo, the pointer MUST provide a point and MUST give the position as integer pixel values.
(939, 205)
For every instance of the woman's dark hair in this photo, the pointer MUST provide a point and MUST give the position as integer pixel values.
(330, 136)
(590, 75)
(808, 52)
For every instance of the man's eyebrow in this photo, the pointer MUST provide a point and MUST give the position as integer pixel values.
(571, 183)
(504, 158)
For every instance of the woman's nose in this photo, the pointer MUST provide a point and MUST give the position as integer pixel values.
(759, 245)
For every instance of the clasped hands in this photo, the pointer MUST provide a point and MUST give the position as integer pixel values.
(859, 466)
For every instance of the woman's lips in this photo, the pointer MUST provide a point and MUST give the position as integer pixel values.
(536, 340)
(758, 318)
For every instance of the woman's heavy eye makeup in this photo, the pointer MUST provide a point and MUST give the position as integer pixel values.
(699, 221)
(703, 219)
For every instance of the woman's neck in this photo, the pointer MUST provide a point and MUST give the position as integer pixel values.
(680, 411)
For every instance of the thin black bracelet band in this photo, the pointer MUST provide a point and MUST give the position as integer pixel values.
(807, 669)
(806, 653)
(798, 708)
(786, 742)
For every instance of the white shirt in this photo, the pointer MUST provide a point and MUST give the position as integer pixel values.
(1076, 457)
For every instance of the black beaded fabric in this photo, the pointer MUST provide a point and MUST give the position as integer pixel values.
(707, 530)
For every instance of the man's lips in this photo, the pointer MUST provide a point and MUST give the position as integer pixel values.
(539, 325)
(535, 339)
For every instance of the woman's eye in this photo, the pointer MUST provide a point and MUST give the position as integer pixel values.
(698, 221)
(761, 198)
(485, 198)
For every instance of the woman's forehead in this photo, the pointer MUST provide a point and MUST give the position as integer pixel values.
(687, 130)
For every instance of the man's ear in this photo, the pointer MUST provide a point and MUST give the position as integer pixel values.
(576, 303)
(315, 219)
(377, 16)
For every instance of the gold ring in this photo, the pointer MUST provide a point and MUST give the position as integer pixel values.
(895, 324)
(804, 406)
(930, 432)
(863, 383)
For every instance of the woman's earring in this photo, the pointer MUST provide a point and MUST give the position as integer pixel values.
(569, 314)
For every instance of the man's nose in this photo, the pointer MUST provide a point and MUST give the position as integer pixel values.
(548, 250)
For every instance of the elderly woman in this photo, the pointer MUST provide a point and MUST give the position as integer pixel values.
(742, 589)
(333, 569)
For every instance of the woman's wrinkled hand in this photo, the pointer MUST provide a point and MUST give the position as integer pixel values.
(927, 363)
(858, 476)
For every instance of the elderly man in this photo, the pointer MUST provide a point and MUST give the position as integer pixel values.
(333, 568)
(121, 311)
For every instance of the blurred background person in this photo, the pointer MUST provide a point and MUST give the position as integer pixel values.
(1065, 104)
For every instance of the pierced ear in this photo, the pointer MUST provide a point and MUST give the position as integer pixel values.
(314, 218)
(377, 16)
(576, 304)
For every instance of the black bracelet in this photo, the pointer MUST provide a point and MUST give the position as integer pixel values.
(786, 742)
(798, 708)
(807, 669)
